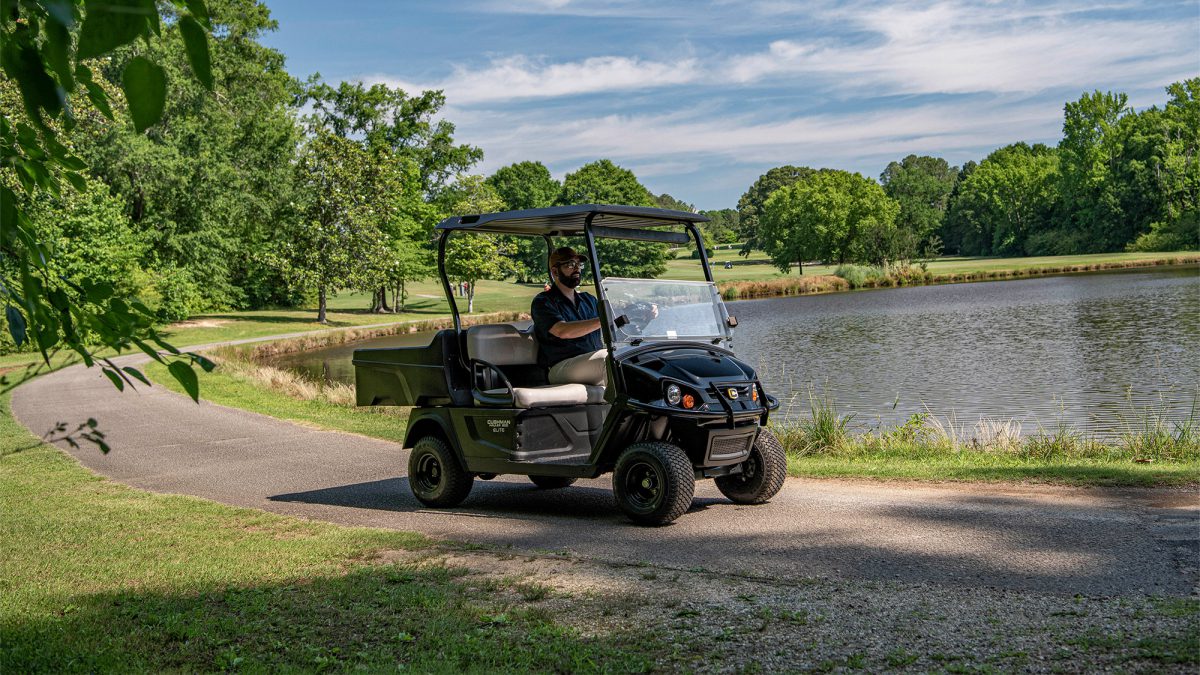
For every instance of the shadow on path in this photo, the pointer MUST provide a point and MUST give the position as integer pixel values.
(498, 499)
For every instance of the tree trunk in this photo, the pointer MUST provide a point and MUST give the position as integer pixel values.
(800, 267)
(383, 298)
(321, 306)
(470, 298)
(379, 300)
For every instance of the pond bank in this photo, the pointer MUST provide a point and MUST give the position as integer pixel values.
(915, 276)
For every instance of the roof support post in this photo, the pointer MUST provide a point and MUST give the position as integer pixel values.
(442, 237)
(703, 253)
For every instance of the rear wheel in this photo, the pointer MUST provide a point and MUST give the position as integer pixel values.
(551, 482)
(435, 474)
(762, 473)
(653, 483)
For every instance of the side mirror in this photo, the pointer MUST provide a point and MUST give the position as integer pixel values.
(731, 322)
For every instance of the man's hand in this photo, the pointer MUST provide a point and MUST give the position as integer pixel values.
(569, 330)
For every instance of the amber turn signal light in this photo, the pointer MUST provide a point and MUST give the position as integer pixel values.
(754, 394)
(689, 401)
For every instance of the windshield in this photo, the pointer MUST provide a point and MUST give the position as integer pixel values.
(649, 309)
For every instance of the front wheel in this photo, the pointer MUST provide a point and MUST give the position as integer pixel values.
(653, 483)
(762, 473)
(435, 475)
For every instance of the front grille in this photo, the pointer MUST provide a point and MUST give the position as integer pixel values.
(730, 447)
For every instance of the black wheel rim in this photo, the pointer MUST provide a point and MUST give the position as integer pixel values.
(428, 475)
(644, 486)
(750, 469)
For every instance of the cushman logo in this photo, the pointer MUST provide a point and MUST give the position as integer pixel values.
(499, 426)
(732, 392)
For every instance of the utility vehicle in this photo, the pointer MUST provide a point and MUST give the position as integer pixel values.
(677, 407)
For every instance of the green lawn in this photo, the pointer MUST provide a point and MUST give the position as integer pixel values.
(757, 266)
(102, 577)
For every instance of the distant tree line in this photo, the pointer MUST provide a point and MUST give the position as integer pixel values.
(1119, 180)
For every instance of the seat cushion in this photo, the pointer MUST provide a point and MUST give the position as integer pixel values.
(554, 394)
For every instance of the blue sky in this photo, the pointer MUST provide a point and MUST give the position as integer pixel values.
(700, 98)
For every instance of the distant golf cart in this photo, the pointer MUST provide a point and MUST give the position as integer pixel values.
(677, 406)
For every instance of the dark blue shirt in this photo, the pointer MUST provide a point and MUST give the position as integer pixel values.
(550, 307)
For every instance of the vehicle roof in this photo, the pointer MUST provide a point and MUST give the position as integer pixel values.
(569, 220)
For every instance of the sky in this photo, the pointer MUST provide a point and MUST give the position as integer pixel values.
(701, 98)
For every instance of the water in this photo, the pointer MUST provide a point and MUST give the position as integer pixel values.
(1092, 351)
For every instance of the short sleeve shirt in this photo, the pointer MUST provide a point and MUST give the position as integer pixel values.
(550, 307)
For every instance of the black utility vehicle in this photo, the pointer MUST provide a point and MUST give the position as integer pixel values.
(678, 406)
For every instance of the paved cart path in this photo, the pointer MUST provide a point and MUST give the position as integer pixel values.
(1090, 541)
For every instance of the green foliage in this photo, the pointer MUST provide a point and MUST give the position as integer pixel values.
(831, 215)
(603, 182)
(922, 186)
(750, 206)
(391, 119)
(1005, 204)
(526, 185)
(471, 257)
(44, 304)
(339, 223)
(723, 228)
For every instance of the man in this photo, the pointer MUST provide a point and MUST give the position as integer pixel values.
(567, 325)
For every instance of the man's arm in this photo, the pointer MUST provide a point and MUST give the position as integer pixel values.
(568, 330)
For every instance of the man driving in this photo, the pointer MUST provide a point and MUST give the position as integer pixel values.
(567, 325)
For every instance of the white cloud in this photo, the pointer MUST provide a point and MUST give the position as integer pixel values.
(957, 48)
(914, 48)
(521, 77)
(672, 143)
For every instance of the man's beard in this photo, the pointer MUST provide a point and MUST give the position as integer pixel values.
(571, 281)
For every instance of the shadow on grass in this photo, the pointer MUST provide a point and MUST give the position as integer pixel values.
(374, 618)
(499, 499)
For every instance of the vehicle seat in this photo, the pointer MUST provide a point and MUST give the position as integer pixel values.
(514, 352)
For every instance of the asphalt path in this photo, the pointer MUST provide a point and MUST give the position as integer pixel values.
(1093, 541)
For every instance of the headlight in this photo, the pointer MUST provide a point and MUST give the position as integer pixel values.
(673, 394)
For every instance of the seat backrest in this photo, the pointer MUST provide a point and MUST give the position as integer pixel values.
(502, 344)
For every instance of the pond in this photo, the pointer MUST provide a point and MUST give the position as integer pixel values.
(1096, 352)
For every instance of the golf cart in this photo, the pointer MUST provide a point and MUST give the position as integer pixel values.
(678, 406)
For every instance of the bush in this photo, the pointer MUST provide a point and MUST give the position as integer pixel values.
(173, 294)
(859, 276)
(1180, 234)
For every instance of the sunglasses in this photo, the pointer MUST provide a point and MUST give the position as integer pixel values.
(572, 265)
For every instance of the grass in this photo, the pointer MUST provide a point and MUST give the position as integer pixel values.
(102, 577)
(1150, 451)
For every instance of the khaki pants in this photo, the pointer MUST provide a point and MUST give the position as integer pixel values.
(582, 369)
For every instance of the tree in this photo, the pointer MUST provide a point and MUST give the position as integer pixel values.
(208, 185)
(390, 123)
(830, 215)
(1006, 205)
(389, 118)
(47, 49)
(1164, 148)
(471, 257)
(750, 206)
(603, 182)
(339, 225)
(922, 185)
(526, 185)
(1089, 153)
(723, 228)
